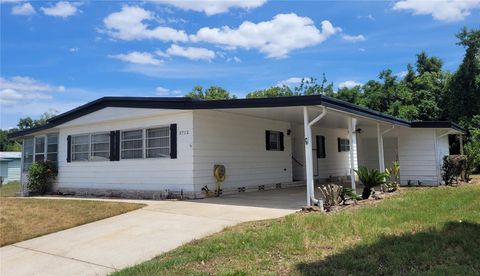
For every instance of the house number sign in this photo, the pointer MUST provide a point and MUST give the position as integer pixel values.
(184, 132)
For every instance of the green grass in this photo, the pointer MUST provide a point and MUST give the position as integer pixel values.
(433, 231)
(10, 189)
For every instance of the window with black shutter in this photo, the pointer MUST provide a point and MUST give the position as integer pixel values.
(274, 140)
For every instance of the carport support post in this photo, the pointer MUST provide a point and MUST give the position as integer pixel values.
(308, 154)
(352, 158)
(381, 161)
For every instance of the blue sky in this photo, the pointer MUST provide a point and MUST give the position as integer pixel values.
(58, 55)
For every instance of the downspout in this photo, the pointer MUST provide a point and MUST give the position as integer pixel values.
(381, 153)
(309, 157)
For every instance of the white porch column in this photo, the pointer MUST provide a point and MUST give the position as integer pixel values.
(351, 131)
(308, 154)
(381, 157)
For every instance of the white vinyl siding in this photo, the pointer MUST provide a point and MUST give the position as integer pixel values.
(417, 156)
(334, 164)
(238, 142)
(143, 174)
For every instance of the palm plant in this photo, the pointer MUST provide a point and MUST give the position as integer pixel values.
(370, 179)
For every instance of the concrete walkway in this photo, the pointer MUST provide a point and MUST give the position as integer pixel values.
(104, 246)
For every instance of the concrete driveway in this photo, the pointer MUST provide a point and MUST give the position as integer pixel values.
(104, 246)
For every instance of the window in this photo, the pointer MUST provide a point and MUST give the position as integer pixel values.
(27, 153)
(158, 142)
(40, 148)
(52, 147)
(343, 145)
(321, 147)
(80, 146)
(100, 147)
(274, 140)
(132, 144)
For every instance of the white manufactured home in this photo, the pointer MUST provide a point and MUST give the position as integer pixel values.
(142, 147)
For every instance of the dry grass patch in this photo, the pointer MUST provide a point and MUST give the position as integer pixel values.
(23, 219)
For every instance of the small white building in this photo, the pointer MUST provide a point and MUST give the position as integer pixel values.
(140, 147)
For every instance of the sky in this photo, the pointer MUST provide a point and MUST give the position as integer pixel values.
(57, 55)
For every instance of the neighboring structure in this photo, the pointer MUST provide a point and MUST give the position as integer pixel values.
(140, 147)
(10, 164)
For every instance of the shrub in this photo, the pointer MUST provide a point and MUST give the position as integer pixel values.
(453, 167)
(472, 151)
(370, 179)
(393, 177)
(331, 194)
(41, 176)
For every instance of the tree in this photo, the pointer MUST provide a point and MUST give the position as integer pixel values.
(463, 98)
(274, 91)
(28, 122)
(212, 93)
(7, 145)
(309, 86)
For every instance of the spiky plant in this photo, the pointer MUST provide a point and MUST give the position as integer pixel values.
(370, 179)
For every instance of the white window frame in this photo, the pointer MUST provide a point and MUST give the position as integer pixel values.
(90, 156)
(142, 139)
(344, 145)
(151, 148)
(278, 140)
(144, 142)
(45, 149)
(24, 169)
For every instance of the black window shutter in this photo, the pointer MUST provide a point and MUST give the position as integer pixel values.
(117, 145)
(282, 145)
(173, 141)
(112, 145)
(69, 148)
(318, 146)
(267, 140)
(339, 145)
(324, 153)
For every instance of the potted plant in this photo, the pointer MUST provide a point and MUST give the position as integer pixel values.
(370, 179)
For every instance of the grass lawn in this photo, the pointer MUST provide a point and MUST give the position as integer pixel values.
(10, 189)
(422, 231)
(23, 218)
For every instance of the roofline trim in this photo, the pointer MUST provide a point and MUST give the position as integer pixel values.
(186, 103)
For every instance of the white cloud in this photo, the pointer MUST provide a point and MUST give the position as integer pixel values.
(16, 89)
(353, 38)
(73, 50)
(293, 81)
(211, 7)
(401, 74)
(62, 9)
(445, 10)
(138, 58)
(192, 53)
(368, 16)
(23, 9)
(234, 59)
(162, 91)
(128, 24)
(276, 38)
(349, 84)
